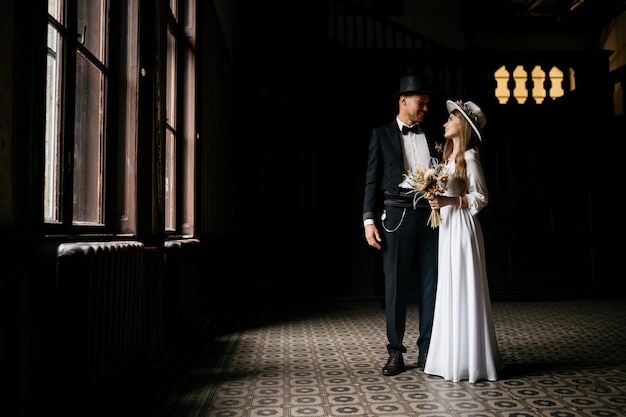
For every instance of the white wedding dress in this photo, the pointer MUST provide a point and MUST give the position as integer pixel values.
(463, 345)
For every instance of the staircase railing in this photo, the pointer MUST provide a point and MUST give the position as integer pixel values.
(353, 25)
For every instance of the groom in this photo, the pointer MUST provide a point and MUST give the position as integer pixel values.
(408, 244)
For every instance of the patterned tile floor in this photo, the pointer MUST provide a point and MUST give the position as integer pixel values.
(563, 359)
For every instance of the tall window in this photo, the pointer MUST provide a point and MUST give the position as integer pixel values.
(171, 134)
(99, 127)
(180, 118)
(76, 96)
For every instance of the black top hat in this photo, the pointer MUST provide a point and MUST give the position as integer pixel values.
(414, 84)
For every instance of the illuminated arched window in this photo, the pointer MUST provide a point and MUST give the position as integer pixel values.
(556, 76)
(539, 92)
(520, 92)
(538, 76)
(502, 88)
(572, 79)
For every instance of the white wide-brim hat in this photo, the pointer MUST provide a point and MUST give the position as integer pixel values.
(472, 113)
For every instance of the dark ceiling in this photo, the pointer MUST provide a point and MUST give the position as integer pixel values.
(547, 16)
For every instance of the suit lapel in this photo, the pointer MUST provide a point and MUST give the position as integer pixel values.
(393, 136)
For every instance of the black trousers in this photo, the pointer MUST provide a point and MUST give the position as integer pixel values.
(409, 252)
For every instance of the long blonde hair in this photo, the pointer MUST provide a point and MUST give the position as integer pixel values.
(467, 140)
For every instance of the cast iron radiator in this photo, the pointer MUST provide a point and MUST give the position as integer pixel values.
(104, 304)
(184, 285)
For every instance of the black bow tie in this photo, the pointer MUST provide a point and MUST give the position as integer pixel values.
(415, 129)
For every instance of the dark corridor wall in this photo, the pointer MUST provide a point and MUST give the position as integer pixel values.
(304, 175)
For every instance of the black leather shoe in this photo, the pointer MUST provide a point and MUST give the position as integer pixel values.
(395, 364)
(421, 360)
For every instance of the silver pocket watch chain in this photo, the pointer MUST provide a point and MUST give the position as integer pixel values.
(384, 216)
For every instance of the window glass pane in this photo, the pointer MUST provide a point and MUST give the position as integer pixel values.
(572, 79)
(186, 132)
(539, 78)
(171, 135)
(52, 163)
(128, 122)
(88, 143)
(556, 77)
(520, 92)
(170, 181)
(90, 26)
(170, 95)
(502, 88)
(55, 8)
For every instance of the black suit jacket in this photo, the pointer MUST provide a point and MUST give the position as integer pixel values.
(385, 165)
